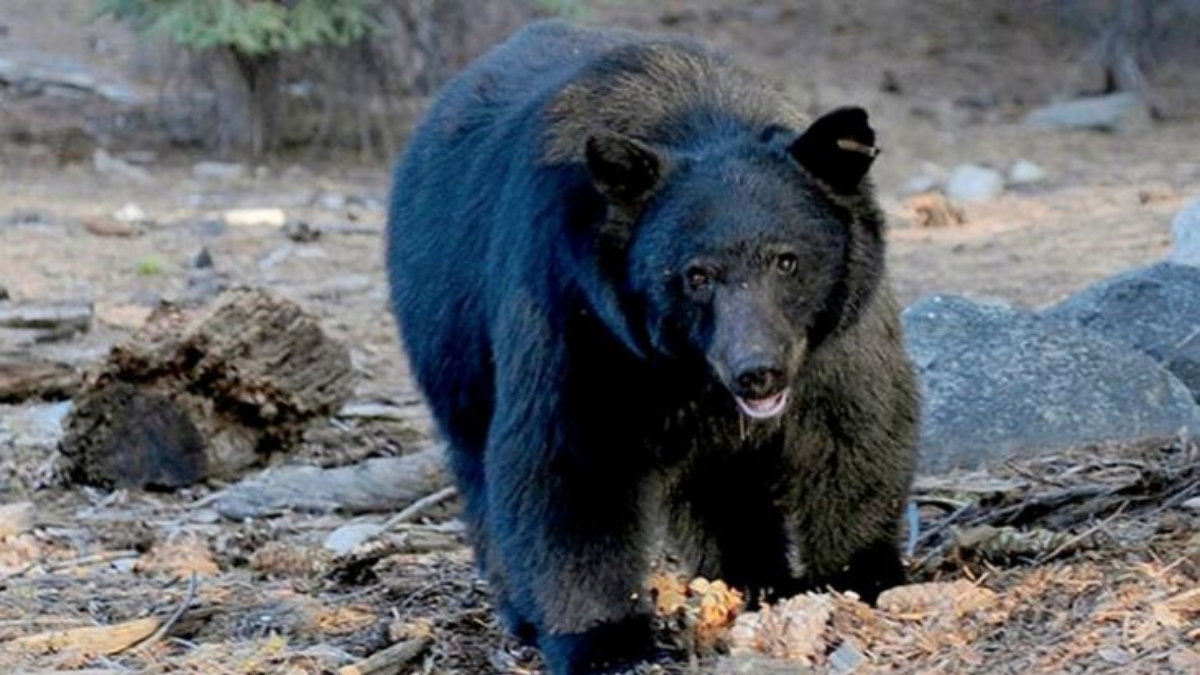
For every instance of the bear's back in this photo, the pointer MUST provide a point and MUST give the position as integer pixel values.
(571, 82)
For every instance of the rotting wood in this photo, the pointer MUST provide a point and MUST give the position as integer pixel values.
(205, 394)
(390, 661)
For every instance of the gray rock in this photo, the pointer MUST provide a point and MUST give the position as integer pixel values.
(332, 201)
(33, 426)
(974, 183)
(132, 214)
(1025, 172)
(999, 383)
(350, 536)
(218, 171)
(110, 165)
(1111, 112)
(1185, 234)
(847, 659)
(62, 76)
(1155, 310)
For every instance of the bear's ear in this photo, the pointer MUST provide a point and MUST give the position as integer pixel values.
(624, 170)
(838, 148)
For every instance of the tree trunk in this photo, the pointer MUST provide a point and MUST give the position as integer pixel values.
(1123, 48)
(248, 103)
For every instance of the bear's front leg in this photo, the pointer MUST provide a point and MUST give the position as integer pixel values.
(569, 520)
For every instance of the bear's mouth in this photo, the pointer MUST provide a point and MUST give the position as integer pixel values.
(764, 408)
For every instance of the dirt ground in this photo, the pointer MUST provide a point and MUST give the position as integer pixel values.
(269, 600)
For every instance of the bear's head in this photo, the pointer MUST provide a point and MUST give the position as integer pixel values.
(746, 252)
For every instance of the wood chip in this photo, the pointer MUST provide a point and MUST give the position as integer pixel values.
(90, 641)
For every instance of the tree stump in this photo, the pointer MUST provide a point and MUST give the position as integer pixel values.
(205, 394)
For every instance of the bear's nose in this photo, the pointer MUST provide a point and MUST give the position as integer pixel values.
(758, 382)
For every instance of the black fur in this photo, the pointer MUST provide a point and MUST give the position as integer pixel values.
(598, 242)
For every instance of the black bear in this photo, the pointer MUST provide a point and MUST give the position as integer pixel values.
(643, 297)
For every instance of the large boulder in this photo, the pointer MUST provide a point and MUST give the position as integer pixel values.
(1000, 383)
(1154, 309)
(1185, 236)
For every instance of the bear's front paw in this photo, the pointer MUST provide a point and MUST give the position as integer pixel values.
(607, 648)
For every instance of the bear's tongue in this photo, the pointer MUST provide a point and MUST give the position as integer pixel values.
(763, 408)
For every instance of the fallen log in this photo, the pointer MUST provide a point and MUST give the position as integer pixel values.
(380, 484)
(71, 316)
(204, 394)
(25, 378)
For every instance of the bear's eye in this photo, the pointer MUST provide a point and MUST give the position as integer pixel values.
(698, 278)
(786, 263)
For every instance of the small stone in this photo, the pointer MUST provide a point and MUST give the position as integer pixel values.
(203, 259)
(276, 257)
(891, 82)
(16, 519)
(218, 171)
(1025, 172)
(1115, 655)
(204, 285)
(268, 217)
(974, 183)
(846, 659)
(1192, 505)
(332, 201)
(350, 536)
(1185, 233)
(132, 214)
(301, 231)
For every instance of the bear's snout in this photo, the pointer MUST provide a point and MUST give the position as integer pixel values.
(758, 381)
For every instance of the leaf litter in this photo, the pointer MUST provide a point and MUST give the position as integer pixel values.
(1081, 562)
